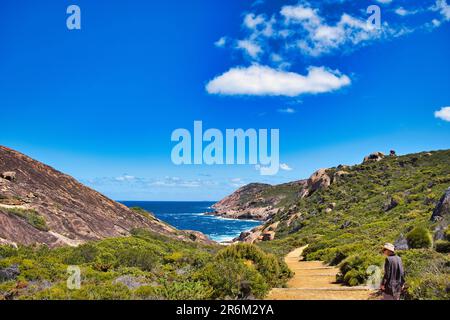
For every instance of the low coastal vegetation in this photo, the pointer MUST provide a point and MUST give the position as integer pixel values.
(143, 266)
(391, 200)
(344, 223)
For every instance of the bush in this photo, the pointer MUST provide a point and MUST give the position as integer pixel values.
(273, 270)
(31, 216)
(430, 287)
(418, 238)
(184, 291)
(105, 261)
(353, 270)
(143, 212)
(442, 246)
(228, 277)
(85, 253)
(426, 273)
(137, 257)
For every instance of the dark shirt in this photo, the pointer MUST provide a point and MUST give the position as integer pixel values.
(394, 276)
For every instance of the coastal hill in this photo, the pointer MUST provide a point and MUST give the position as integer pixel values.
(378, 185)
(346, 213)
(257, 201)
(39, 204)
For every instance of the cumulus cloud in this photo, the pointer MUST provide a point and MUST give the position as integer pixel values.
(300, 14)
(261, 80)
(273, 42)
(316, 37)
(305, 28)
(252, 21)
(443, 114)
(443, 8)
(285, 167)
(249, 47)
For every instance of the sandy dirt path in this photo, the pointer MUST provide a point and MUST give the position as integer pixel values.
(313, 280)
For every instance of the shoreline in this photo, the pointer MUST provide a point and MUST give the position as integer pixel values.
(234, 217)
(231, 240)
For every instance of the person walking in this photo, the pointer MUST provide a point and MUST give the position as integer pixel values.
(394, 276)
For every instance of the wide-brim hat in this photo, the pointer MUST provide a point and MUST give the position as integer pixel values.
(389, 246)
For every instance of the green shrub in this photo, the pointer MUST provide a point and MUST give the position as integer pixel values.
(227, 277)
(353, 270)
(143, 212)
(418, 238)
(442, 246)
(85, 253)
(429, 286)
(137, 257)
(31, 216)
(273, 270)
(105, 261)
(188, 290)
(426, 273)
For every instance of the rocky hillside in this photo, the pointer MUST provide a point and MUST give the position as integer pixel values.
(39, 204)
(346, 213)
(389, 181)
(258, 201)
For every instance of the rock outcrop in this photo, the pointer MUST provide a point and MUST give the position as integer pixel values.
(441, 215)
(318, 180)
(8, 175)
(442, 209)
(39, 204)
(9, 273)
(376, 156)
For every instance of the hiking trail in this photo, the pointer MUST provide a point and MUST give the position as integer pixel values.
(314, 280)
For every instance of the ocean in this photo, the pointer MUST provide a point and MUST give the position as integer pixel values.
(188, 215)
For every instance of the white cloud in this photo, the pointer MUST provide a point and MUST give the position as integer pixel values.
(316, 37)
(436, 23)
(286, 110)
(221, 42)
(404, 12)
(276, 57)
(177, 182)
(250, 48)
(306, 28)
(125, 177)
(252, 21)
(285, 167)
(300, 14)
(236, 183)
(443, 8)
(443, 114)
(261, 80)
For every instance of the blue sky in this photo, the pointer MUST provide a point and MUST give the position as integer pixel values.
(101, 103)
